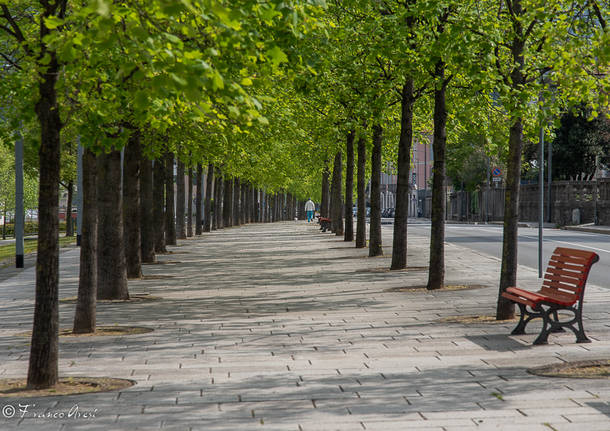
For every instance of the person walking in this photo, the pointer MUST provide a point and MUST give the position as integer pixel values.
(310, 207)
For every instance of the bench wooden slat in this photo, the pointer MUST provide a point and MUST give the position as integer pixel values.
(575, 252)
(577, 276)
(568, 282)
(561, 286)
(518, 299)
(565, 266)
(567, 259)
(551, 295)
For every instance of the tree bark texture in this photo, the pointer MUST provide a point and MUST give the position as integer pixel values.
(85, 314)
(508, 272)
(349, 188)
(248, 208)
(243, 207)
(375, 248)
(180, 202)
(218, 195)
(399, 240)
(159, 205)
(436, 271)
(112, 267)
(69, 224)
(207, 213)
(325, 203)
(227, 207)
(198, 196)
(236, 203)
(131, 206)
(336, 198)
(189, 207)
(147, 226)
(361, 198)
(170, 214)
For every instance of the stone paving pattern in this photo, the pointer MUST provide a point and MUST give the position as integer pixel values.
(282, 327)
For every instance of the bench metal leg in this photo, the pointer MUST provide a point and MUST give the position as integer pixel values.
(552, 324)
(580, 332)
(546, 329)
(526, 317)
(520, 328)
(556, 328)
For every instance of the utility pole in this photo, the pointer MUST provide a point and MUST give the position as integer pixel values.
(541, 203)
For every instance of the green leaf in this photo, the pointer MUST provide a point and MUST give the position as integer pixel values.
(218, 82)
(277, 56)
(52, 22)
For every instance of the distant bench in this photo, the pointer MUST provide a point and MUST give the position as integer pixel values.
(324, 223)
(563, 288)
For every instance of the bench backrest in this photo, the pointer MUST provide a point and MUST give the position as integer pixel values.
(567, 272)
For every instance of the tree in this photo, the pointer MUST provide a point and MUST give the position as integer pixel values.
(336, 198)
(578, 142)
(112, 266)
(132, 211)
(375, 248)
(85, 314)
(349, 187)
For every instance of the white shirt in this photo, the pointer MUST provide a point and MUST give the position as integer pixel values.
(309, 206)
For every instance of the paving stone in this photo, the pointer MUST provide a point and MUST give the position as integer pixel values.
(279, 327)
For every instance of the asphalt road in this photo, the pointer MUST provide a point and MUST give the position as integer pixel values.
(488, 239)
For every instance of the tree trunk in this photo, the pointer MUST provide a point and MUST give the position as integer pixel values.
(336, 198)
(69, 224)
(257, 207)
(112, 268)
(399, 241)
(84, 317)
(159, 205)
(361, 198)
(189, 207)
(131, 206)
(436, 272)
(218, 194)
(248, 207)
(227, 207)
(243, 207)
(43, 363)
(375, 248)
(236, 204)
(198, 198)
(325, 203)
(147, 226)
(207, 216)
(349, 189)
(180, 202)
(508, 272)
(170, 215)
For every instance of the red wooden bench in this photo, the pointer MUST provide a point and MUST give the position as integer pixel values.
(563, 288)
(324, 223)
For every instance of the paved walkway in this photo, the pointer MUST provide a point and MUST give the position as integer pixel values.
(281, 327)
